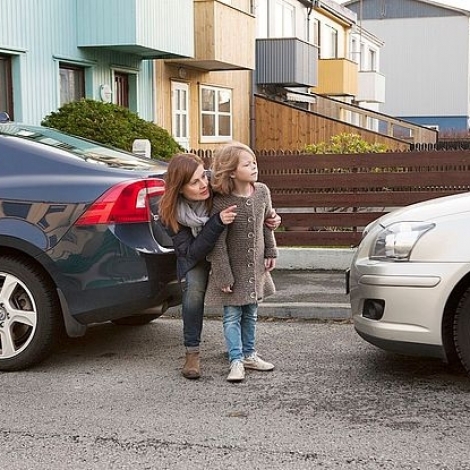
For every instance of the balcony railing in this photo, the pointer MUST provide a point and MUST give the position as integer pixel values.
(371, 87)
(337, 77)
(288, 62)
(149, 29)
(224, 37)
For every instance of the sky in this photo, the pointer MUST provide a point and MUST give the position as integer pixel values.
(465, 4)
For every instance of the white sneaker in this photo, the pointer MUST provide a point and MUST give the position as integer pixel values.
(256, 363)
(237, 372)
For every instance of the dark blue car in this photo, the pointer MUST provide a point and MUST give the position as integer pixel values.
(80, 241)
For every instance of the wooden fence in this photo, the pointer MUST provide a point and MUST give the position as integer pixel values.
(327, 200)
(283, 126)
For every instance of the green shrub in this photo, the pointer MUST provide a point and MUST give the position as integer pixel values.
(112, 125)
(346, 143)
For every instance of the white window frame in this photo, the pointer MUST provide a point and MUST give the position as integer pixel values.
(315, 32)
(216, 113)
(284, 19)
(330, 49)
(180, 113)
(372, 60)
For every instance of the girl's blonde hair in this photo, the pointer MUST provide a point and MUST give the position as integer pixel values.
(224, 163)
(179, 172)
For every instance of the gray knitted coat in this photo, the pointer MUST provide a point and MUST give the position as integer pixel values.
(238, 255)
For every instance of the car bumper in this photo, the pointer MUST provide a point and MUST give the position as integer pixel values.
(399, 306)
(101, 278)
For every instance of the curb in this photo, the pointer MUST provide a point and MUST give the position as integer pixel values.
(291, 310)
(314, 259)
(299, 310)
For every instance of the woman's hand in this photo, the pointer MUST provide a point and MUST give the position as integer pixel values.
(227, 290)
(269, 264)
(273, 221)
(227, 216)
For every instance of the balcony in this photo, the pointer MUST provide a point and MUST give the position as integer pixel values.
(371, 87)
(286, 61)
(337, 77)
(224, 37)
(146, 28)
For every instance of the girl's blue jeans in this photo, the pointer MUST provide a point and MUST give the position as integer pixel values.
(192, 310)
(240, 330)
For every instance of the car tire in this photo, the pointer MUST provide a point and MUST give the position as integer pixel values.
(136, 320)
(462, 330)
(30, 319)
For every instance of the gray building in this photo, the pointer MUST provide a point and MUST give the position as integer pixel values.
(426, 59)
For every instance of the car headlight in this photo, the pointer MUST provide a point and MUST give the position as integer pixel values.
(396, 242)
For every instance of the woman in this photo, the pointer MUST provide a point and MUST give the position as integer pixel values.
(184, 210)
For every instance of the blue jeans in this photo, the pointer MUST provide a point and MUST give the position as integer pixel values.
(193, 304)
(240, 330)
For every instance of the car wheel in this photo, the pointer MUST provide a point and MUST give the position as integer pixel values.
(462, 330)
(136, 320)
(29, 314)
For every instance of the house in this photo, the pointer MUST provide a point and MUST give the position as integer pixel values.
(426, 59)
(56, 51)
(208, 71)
(289, 51)
(312, 55)
(206, 100)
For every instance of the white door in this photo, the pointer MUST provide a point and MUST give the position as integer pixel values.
(180, 113)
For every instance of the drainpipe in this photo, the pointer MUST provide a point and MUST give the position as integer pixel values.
(252, 112)
(309, 11)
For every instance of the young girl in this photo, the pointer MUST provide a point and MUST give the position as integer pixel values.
(243, 255)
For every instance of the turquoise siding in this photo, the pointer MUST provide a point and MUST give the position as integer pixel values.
(131, 25)
(38, 34)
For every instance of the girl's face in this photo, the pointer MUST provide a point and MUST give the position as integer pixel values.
(197, 189)
(247, 168)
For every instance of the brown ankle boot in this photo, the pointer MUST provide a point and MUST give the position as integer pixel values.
(192, 368)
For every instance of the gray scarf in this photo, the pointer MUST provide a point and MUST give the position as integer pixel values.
(192, 214)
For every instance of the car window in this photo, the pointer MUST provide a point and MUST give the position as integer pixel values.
(90, 151)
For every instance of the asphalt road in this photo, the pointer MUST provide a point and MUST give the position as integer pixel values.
(115, 400)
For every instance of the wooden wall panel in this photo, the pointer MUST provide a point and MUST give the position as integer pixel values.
(283, 127)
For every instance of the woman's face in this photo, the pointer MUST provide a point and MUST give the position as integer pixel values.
(197, 189)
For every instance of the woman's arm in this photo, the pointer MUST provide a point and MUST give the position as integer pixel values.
(197, 248)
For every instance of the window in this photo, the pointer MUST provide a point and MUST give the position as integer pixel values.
(372, 60)
(216, 114)
(180, 113)
(72, 83)
(121, 89)
(354, 53)
(262, 18)
(284, 19)
(6, 87)
(363, 58)
(330, 47)
(315, 32)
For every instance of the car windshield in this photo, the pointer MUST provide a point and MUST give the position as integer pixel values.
(88, 150)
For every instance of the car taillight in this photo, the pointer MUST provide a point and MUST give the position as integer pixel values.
(126, 202)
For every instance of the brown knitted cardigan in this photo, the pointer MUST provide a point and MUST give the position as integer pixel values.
(238, 255)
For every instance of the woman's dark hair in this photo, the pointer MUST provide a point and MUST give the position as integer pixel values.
(180, 171)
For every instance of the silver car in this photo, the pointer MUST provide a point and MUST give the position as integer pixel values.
(409, 281)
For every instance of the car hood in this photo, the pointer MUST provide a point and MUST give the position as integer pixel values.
(429, 210)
